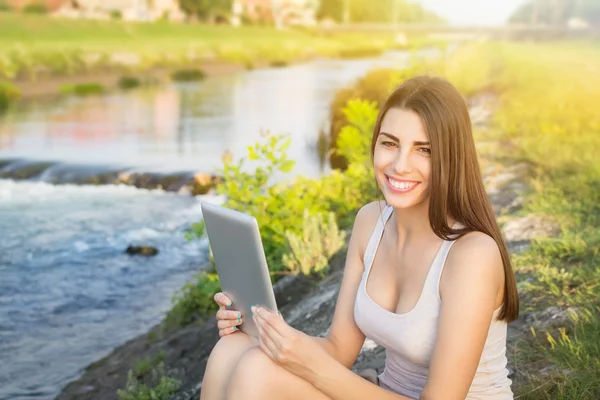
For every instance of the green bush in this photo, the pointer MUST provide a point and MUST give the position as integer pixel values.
(311, 252)
(35, 8)
(145, 365)
(194, 300)
(5, 7)
(188, 75)
(161, 387)
(83, 89)
(129, 82)
(374, 87)
(8, 94)
(287, 210)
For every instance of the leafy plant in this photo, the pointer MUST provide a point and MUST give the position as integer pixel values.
(320, 240)
(194, 300)
(8, 94)
(161, 387)
(188, 75)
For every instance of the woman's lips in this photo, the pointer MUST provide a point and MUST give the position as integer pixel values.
(402, 186)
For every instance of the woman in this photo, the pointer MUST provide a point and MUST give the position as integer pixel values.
(427, 276)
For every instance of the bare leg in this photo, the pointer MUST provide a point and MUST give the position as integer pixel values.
(256, 376)
(222, 362)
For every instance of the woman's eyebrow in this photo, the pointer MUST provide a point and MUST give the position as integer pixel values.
(394, 138)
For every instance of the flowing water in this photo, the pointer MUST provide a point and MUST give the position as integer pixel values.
(69, 294)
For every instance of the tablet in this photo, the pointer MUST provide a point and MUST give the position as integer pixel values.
(240, 261)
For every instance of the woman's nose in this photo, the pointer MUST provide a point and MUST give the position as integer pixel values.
(402, 162)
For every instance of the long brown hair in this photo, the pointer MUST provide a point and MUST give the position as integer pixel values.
(456, 182)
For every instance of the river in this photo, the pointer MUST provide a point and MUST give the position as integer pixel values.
(68, 292)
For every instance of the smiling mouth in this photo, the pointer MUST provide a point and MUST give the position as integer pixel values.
(401, 186)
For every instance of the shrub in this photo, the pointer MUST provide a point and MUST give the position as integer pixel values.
(161, 387)
(82, 89)
(4, 6)
(8, 94)
(188, 75)
(129, 82)
(145, 365)
(194, 300)
(311, 252)
(374, 87)
(35, 8)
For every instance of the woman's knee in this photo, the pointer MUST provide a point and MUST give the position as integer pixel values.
(254, 375)
(225, 355)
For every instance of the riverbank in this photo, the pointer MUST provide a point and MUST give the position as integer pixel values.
(544, 187)
(306, 305)
(41, 54)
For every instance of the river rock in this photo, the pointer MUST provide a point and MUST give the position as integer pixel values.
(520, 231)
(551, 317)
(142, 250)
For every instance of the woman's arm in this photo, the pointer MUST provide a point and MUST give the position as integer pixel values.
(471, 282)
(473, 278)
(345, 339)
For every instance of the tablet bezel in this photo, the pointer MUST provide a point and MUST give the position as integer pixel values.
(240, 261)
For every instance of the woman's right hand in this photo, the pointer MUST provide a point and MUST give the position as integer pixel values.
(227, 320)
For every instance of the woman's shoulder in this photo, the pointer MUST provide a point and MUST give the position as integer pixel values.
(368, 215)
(365, 222)
(475, 254)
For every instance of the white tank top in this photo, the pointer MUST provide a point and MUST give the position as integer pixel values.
(409, 338)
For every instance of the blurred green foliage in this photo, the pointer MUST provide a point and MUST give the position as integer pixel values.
(83, 89)
(159, 387)
(8, 94)
(311, 251)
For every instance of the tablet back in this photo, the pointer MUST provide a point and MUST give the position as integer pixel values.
(240, 261)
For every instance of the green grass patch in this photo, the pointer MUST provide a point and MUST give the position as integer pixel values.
(144, 366)
(549, 95)
(129, 82)
(157, 386)
(188, 75)
(83, 89)
(34, 44)
(8, 95)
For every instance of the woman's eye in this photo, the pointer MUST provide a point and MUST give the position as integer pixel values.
(388, 144)
(425, 150)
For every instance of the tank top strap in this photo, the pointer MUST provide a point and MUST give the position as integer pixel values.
(375, 238)
(440, 262)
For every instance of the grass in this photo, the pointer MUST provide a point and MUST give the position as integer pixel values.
(548, 97)
(31, 45)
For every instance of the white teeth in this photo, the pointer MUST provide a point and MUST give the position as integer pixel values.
(401, 185)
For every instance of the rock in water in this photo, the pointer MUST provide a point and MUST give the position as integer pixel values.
(142, 250)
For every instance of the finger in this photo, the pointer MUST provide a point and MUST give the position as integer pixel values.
(228, 314)
(227, 323)
(222, 300)
(271, 321)
(271, 338)
(228, 331)
(269, 342)
(263, 346)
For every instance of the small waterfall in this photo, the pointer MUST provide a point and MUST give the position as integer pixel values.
(191, 182)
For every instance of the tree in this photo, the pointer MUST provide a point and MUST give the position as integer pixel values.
(557, 12)
(385, 11)
(206, 9)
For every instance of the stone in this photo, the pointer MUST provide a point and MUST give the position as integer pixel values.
(142, 250)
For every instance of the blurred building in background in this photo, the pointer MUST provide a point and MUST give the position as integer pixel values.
(128, 10)
(51, 5)
(280, 12)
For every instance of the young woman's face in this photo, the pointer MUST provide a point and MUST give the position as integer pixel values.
(402, 159)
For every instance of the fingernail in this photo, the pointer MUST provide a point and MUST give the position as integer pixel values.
(252, 307)
(230, 303)
(234, 328)
(239, 320)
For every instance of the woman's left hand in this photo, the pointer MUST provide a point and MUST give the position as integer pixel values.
(290, 348)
